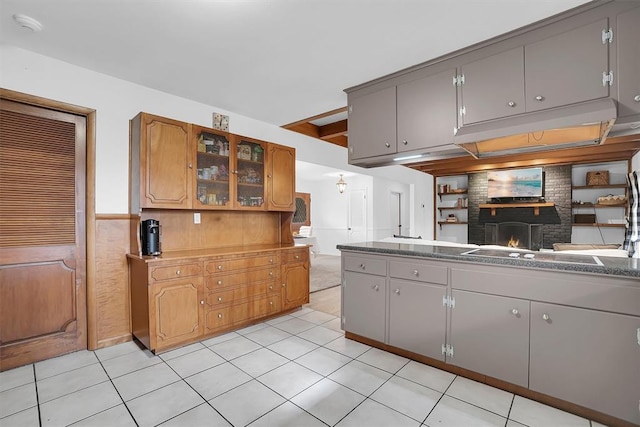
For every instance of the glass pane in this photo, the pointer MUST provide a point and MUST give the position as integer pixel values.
(250, 173)
(213, 169)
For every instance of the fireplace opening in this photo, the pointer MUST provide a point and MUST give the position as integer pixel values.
(514, 235)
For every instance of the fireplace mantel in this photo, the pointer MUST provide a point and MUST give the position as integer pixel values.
(536, 206)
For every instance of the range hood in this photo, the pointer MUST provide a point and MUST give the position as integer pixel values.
(579, 125)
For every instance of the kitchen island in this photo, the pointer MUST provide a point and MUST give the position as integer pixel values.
(558, 328)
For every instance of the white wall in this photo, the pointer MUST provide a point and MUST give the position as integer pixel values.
(116, 101)
(635, 162)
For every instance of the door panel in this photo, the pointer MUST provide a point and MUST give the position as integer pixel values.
(42, 234)
(363, 297)
(372, 124)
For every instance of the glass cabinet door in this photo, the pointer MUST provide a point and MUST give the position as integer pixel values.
(250, 172)
(213, 170)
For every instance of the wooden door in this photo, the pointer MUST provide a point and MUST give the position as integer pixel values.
(567, 68)
(161, 149)
(281, 178)
(363, 298)
(493, 87)
(417, 318)
(42, 234)
(295, 285)
(490, 335)
(578, 353)
(426, 112)
(249, 172)
(372, 124)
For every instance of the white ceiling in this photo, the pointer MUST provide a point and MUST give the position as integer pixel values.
(278, 61)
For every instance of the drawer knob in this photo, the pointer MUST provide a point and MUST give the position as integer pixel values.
(297, 256)
(636, 98)
(271, 274)
(416, 272)
(511, 104)
(219, 282)
(283, 285)
(405, 142)
(545, 317)
(220, 299)
(271, 261)
(270, 302)
(178, 272)
(219, 315)
(375, 287)
(539, 98)
(515, 312)
(397, 291)
(219, 267)
(386, 144)
(362, 266)
(201, 302)
(270, 287)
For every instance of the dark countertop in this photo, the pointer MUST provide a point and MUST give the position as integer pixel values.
(626, 267)
(210, 252)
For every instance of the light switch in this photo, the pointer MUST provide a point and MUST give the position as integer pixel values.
(196, 217)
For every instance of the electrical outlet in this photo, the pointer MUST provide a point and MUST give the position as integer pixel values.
(196, 217)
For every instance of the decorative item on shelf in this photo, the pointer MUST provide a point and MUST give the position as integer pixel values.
(612, 200)
(598, 178)
(452, 218)
(341, 185)
(256, 156)
(221, 122)
(244, 152)
(201, 145)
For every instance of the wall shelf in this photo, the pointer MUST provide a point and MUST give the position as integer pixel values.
(441, 223)
(536, 206)
(451, 208)
(599, 224)
(596, 187)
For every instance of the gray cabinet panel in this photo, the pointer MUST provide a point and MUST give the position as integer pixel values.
(587, 357)
(417, 318)
(566, 68)
(367, 265)
(490, 334)
(493, 87)
(628, 42)
(419, 271)
(372, 124)
(426, 112)
(363, 305)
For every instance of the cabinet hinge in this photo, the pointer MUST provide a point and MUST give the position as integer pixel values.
(458, 80)
(447, 350)
(350, 109)
(607, 35)
(343, 320)
(448, 301)
(455, 131)
(638, 335)
(607, 78)
(463, 111)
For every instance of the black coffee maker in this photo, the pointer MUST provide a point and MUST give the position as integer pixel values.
(150, 237)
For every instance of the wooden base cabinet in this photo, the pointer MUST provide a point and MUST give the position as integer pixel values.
(490, 334)
(295, 278)
(576, 352)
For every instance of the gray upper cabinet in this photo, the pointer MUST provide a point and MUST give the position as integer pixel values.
(426, 112)
(490, 334)
(577, 354)
(567, 68)
(493, 87)
(628, 43)
(417, 318)
(364, 304)
(372, 124)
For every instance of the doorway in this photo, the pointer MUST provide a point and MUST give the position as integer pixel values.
(395, 213)
(43, 229)
(357, 224)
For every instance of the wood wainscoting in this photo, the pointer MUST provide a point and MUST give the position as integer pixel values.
(109, 301)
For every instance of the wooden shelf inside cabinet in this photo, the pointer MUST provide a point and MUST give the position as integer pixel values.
(599, 224)
(536, 206)
(598, 205)
(596, 187)
(441, 223)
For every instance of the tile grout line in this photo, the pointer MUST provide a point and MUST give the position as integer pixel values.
(35, 384)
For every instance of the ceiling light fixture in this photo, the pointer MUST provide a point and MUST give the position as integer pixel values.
(341, 185)
(27, 22)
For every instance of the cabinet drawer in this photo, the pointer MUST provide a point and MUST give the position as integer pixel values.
(230, 296)
(218, 318)
(417, 271)
(375, 266)
(222, 265)
(226, 280)
(174, 271)
(298, 255)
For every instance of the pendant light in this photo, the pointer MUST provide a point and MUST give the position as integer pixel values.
(341, 185)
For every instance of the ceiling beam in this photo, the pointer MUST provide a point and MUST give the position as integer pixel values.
(316, 117)
(331, 130)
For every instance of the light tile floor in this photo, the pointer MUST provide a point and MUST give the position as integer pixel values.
(294, 370)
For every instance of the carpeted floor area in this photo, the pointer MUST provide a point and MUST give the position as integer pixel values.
(324, 272)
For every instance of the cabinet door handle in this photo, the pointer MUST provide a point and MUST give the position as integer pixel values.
(297, 257)
(190, 165)
(270, 287)
(386, 144)
(515, 312)
(375, 287)
(405, 142)
(283, 285)
(636, 98)
(201, 302)
(545, 317)
(178, 272)
(268, 176)
(219, 267)
(271, 274)
(219, 315)
(220, 299)
(362, 266)
(270, 302)
(397, 291)
(219, 282)
(539, 98)
(511, 104)
(416, 272)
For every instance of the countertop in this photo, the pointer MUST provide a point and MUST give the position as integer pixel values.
(626, 267)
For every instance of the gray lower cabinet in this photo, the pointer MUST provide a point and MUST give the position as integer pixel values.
(567, 68)
(627, 39)
(490, 335)
(372, 124)
(417, 317)
(493, 87)
(364, 304)
(588, 357)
